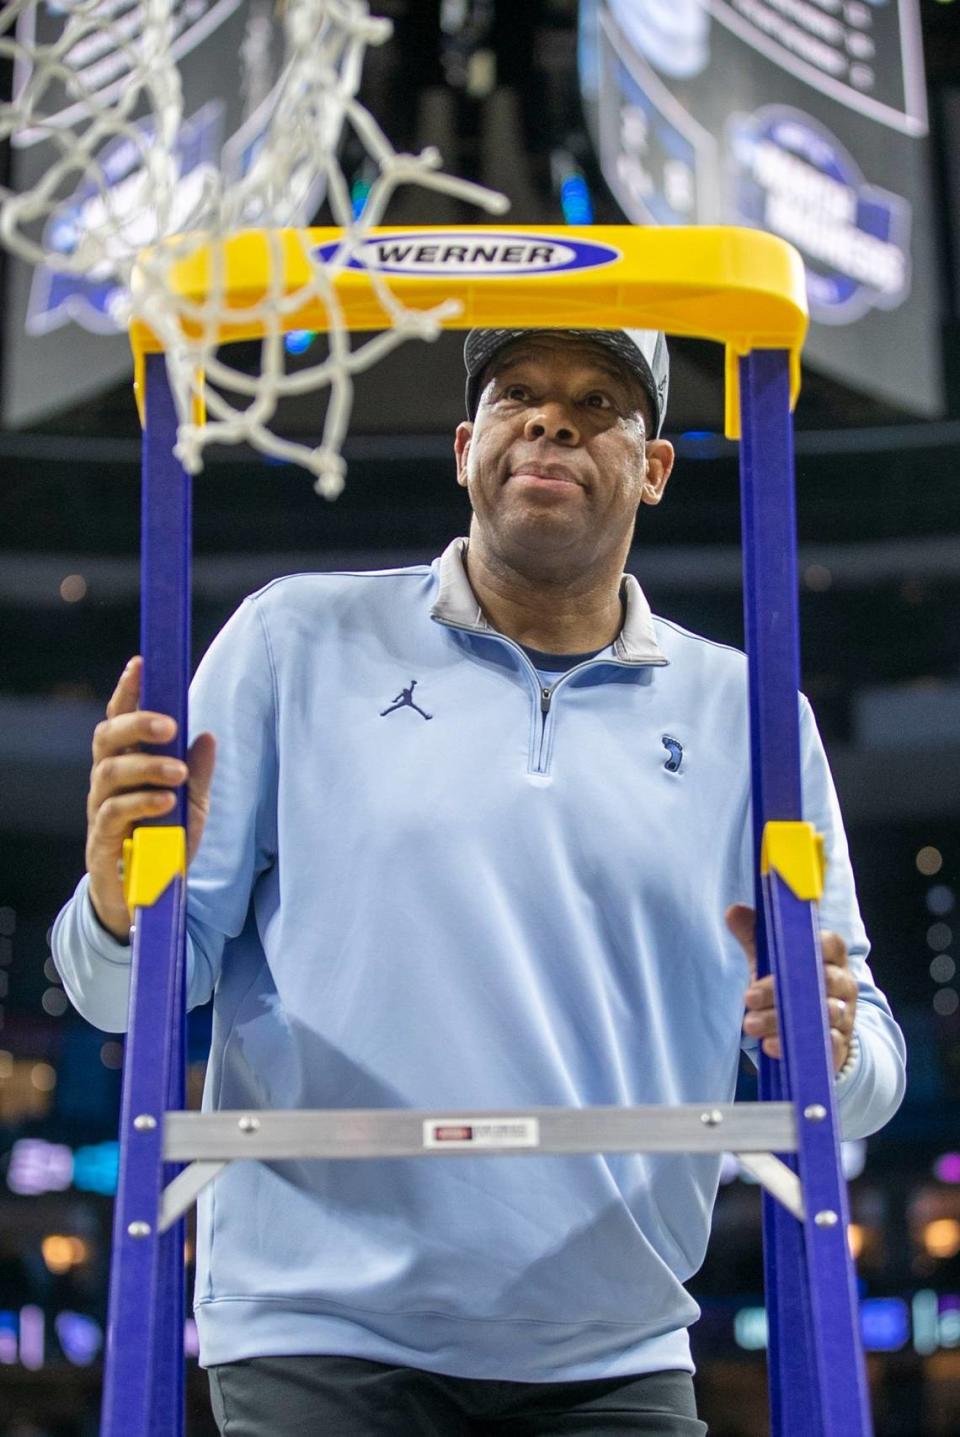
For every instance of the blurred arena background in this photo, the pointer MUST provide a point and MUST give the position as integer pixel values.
(822, 119)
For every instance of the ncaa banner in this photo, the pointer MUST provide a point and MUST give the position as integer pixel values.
(64, 335)
(806, 118)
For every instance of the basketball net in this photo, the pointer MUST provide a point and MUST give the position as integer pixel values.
(78, 221)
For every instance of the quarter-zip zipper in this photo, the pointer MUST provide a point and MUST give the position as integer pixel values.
(546, 700)
(545, 692)
(546, 695)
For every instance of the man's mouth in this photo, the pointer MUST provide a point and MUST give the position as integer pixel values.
(555, 475)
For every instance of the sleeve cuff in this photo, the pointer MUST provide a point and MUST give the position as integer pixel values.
(100, 939)
(853, 1062)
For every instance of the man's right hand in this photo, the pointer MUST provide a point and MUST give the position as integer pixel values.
(118, 800)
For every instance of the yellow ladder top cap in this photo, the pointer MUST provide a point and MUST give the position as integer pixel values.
(742, 288)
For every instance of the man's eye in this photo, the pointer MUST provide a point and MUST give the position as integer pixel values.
(516, 391)
(598, 400)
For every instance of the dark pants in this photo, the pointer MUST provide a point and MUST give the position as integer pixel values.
(350, 1397)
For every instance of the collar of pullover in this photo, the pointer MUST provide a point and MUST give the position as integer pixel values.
(457, 605)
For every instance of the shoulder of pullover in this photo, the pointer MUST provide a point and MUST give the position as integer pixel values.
(702, 668)
(343, 594)
(685, 646)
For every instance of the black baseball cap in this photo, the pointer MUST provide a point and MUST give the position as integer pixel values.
(642, 351)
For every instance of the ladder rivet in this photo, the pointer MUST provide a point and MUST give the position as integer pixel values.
(247, 1124)
(712, 1118)
(826, 1218)
(138, 1229)
(816, 1112)
(144, 1122)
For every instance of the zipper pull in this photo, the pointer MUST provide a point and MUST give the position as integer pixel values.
(545, 697)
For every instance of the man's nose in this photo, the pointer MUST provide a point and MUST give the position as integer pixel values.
(552, 420)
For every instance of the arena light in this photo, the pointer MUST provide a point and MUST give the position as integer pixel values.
(884, 1324)
(298, 341)
(818, 578)
(936, 1320)
(61, 1252)
(57, 1253)
(929, 860)
(43, 1077)
(949, 1322)
(9, 1344)
(572, 189)
(80, 1337)
(926, 1327)
(941, 1238)
(32, 1337)
(942, 968)
(855, 1239)
(946, 1169)
(701, 444)
(73, 589)
(37, 1166)
(358, 196)
(750, 1328)
(54, 1002)
(575, 201)
(361, 187)
(941, 899)
(96, 1166)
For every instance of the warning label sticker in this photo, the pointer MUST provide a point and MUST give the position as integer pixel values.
(481, 1133)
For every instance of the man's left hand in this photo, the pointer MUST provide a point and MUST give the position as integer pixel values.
(760, 999)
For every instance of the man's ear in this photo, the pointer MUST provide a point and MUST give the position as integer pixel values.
(461, 448)
(660, 457)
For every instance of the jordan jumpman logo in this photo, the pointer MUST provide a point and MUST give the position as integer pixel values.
(404, 700)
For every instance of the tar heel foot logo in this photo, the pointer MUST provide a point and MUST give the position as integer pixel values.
(675, 749)
(404, 700)
(475, 253)
(791, 176)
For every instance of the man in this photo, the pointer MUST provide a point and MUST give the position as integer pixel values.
(509, 891)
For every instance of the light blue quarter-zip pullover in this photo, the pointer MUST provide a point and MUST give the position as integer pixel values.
(432, 878)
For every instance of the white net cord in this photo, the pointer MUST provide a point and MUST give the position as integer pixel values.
(79, 219)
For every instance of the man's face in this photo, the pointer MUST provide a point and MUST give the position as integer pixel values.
(557, 460)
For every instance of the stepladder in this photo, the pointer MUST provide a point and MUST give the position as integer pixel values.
(789, 1140)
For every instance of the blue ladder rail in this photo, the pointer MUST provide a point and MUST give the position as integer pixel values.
(143, 1392)
(817, 1376)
